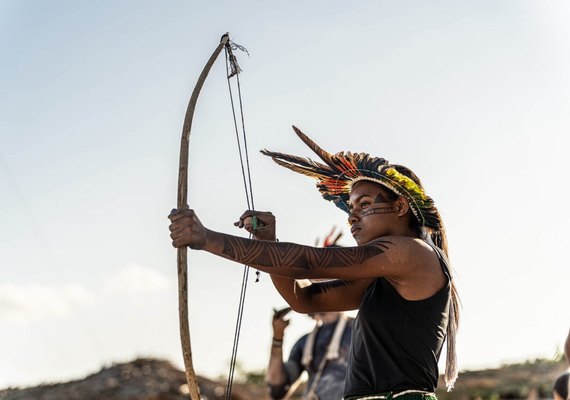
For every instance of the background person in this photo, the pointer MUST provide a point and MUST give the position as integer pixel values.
(323, 353)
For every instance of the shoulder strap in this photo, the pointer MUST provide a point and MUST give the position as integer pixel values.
(332, 353)
(333, 350)
(443, 261)
(308, 348)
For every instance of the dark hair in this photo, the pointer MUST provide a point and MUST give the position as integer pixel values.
(432, 227)
(561, 385)
(438, 236)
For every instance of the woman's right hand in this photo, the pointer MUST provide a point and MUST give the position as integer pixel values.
(264, 226)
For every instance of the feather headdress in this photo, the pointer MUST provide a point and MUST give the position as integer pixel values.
(342, 170)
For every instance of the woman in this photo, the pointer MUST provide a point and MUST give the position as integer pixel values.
(397, 276)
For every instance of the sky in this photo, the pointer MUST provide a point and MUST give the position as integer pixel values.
(472, 95)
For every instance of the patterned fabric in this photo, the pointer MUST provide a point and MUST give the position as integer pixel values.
(406, 395)
(342, 170)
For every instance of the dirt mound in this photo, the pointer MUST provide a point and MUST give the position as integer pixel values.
(142, 379)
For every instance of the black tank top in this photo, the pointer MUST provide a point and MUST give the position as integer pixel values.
(396, 342)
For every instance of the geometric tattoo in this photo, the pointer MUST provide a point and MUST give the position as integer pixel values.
(281, 254)
(323, 287)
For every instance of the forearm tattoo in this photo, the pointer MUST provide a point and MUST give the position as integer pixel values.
(276, 255)
(323, 287)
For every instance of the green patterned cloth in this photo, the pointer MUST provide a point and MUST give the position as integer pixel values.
(395, 396)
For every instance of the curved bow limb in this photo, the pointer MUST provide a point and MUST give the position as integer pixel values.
(182, 203)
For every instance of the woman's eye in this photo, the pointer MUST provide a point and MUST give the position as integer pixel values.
(364, 204)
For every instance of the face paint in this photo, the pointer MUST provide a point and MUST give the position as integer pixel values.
(380, 199)
(377, 210)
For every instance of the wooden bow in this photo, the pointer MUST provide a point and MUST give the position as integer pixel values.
(182, 203)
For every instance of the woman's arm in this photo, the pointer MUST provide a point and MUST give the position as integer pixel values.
(298, 261)
(404, 260)
(333, 295)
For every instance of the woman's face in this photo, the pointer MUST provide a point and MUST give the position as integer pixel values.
(372, 213)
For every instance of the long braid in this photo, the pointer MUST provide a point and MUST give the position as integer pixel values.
(439, 238)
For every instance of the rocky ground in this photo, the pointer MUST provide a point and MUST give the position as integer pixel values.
(531, 380)
(142, 379)
(151, 379)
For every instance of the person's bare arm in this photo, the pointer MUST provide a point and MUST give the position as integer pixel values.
(404, 261)
(283, 259)
(333, 295)
(303, 262)
(275, 374)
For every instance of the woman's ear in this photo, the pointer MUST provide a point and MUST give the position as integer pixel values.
(402, 206)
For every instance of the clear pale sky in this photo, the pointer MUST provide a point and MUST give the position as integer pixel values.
(472, 95)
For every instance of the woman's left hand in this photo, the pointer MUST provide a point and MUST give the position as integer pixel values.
(186, 229)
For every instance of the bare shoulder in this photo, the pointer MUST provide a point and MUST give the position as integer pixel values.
(421, 274)
(407, 250)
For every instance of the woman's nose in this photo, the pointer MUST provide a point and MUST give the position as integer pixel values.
(352, 218)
